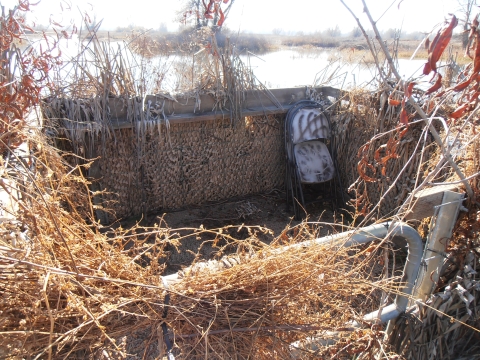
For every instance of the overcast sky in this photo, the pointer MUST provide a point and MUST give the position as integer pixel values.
(253, 15)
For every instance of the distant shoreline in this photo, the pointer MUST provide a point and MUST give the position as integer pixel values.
(159, 43)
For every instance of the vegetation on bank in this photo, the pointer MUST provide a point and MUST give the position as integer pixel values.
(189, 40)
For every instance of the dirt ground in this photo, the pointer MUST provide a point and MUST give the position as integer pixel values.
(264, 214)
(259, 212)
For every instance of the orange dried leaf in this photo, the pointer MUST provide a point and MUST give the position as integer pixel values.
(393, 102)
(222, 17)
(402, 133)
(361, 168)
(409, 89)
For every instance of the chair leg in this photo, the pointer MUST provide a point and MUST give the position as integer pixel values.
(299, 198)
(295, 196)
(288, 185)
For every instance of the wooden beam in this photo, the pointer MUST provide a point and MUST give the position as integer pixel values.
(185, 109)
(427, 200)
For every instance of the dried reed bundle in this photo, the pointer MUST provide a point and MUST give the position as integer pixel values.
(388, 163)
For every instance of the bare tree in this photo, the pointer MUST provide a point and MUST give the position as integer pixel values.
(466, 8)
(356, 32)
(333, 32)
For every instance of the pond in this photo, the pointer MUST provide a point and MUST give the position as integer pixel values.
(289, 68)
(297, 67)
(280, 69)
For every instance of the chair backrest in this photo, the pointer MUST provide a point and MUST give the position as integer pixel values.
(309, 124)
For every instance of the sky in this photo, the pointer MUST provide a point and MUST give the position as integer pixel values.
(256, 16)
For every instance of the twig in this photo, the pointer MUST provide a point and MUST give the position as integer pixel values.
(289, 327)
(370, 46)
(380, 41)
(71, 273)
(456, 182)
(52, 322)
(411, 101)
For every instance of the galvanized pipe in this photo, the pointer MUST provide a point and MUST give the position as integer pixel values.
(363, 236)
(410, 272)
(358, 237)
(376, 232)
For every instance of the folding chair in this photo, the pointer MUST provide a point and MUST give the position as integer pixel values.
(309, 154)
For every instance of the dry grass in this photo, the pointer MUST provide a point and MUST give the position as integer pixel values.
(68, 288)
(71, 291)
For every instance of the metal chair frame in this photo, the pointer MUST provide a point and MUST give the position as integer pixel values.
(293, 183)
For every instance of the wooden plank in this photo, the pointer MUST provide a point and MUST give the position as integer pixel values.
(208, 116)
(183, 109)
(426, 200)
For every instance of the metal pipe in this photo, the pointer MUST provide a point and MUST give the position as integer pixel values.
(410, 272)
(354, 238)
(376, 232)
(357, 237)
(363, 236)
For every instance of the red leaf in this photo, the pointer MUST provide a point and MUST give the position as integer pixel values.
(462, 85)
(438, 45)
(474, 96)
(427, 69)
(436, 86)
(404, 117)
(209, 8)
(460, 111)
(222, 17)
(473, 31)
(476, 61)
(409, 88)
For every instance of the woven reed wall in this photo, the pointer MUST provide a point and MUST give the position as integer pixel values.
(190, 164)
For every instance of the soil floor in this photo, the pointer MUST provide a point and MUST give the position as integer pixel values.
(256, 213)
(266, 215)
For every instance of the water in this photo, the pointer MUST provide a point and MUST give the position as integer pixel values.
(289, 68)
(279, 69)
